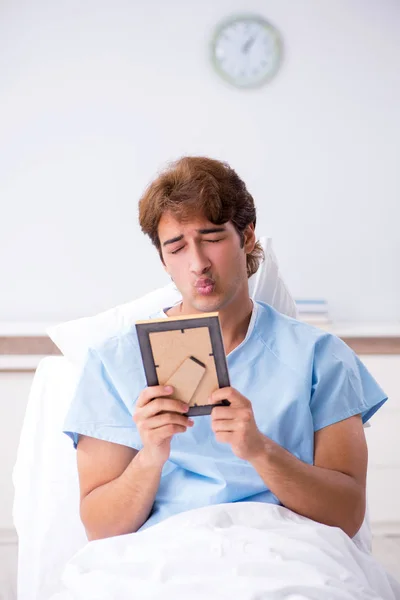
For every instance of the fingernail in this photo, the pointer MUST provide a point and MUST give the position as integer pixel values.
(191, 422)
(168, 389)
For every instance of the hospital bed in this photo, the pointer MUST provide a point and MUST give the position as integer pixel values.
(46, 505)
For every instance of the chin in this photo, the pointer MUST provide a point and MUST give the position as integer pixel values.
(207, 304)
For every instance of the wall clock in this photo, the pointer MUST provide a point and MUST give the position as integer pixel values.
(246, 51)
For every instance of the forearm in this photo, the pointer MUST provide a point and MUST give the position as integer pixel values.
(124, 504)
(320, 494)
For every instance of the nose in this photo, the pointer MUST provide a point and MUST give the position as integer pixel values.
(199, 263)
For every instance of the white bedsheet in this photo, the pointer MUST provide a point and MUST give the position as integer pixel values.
(246, 551)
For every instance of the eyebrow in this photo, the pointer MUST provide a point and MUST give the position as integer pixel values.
(202, 231)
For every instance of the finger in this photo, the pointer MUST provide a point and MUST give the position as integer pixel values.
(225, 393)
(161, 421)
(155, 391)
(223, 437)
(163, 405)
(223, 412)
(232, 395)
(225, 425)
(166, 431)
(167, 419)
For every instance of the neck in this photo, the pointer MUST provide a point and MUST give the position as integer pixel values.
(234, 319)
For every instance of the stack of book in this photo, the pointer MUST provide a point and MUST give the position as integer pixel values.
(313, 311)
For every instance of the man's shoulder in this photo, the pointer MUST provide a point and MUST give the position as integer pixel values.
(117, 347)
(283, 334)
(270, 319)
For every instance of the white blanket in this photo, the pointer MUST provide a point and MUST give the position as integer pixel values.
(246, 551)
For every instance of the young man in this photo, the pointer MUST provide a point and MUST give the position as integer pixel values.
(293, 433)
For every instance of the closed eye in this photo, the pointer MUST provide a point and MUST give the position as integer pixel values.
(214, 241)
(210, 241)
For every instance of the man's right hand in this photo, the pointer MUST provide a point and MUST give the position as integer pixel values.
(158, 418)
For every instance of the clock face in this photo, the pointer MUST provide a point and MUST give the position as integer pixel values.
(246, 51)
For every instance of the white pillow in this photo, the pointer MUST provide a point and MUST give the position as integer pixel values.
(74, 338)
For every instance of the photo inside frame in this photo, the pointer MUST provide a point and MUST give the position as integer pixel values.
(194, 380)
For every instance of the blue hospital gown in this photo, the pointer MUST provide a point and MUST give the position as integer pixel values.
(298, 378)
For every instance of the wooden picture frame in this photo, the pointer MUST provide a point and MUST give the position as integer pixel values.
(187, 352)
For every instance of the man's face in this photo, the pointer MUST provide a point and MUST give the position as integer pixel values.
(205, 261)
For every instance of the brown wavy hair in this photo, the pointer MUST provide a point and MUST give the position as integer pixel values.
(196, 185)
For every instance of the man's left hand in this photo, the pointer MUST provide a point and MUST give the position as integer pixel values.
(235, 424)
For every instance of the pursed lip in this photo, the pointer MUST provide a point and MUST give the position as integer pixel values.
(203, 283)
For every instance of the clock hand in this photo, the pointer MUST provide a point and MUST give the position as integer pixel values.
(247, 45)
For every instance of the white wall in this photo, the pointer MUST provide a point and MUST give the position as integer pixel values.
(95, 96)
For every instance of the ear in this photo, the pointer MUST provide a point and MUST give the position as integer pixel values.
(249, 238)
